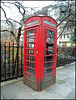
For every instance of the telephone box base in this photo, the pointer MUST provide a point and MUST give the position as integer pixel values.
(30, 84)
(39, 87)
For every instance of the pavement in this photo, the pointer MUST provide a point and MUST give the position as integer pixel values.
(63, 89)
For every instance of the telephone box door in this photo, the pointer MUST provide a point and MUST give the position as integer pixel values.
(31, 56)
(49, 57)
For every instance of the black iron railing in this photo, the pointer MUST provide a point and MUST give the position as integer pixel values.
(11, 61)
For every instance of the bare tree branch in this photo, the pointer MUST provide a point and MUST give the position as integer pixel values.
(64, 27)
(6, 17)
(5, 4)
(14, 21)
(64, 19)
(10, 32)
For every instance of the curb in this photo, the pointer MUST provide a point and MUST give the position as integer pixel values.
(11, 81)
(65, 65)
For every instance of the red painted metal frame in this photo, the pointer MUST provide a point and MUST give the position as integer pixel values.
(40, 47)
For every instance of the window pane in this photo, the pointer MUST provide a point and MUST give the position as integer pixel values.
(30, 52)
(49, 32)
(29, 64)
(49, 39)
(30, 70)
(29, 77)
(30, 58)
(64, 36)
(49, 58)
(48, 71)
(49, 46)
(30, 45)
(48, 77)
(30, 39)
(49, 64)
(49, 52)
(30, 32)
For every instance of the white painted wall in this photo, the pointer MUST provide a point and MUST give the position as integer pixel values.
(68, 44)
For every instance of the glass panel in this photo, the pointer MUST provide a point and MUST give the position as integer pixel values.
(30, 32)
(30, 70)
(49, 64)
(29, 77)
(30, 39)
(49, 46)
(30, 45)
(48, 77)
(49, 52)
(29, 64)
(48, 71)
(30, 52)
(49, 32)
(49, 58)
(30, 58)
(49, 39)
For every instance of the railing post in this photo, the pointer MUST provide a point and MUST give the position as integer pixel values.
(5, 60)
(17, 59)
(9, 59)
(13, 59)
(21, 60)
(0, 59)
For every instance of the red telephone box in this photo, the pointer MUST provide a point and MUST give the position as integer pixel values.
(40, 52)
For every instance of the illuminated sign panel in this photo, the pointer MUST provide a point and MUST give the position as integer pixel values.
(34, 22)
(49, 23)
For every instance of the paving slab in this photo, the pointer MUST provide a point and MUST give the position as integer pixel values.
(70, 80)
(69, 85)
(61, 77)
(70, 68)
(64, 71)
(72, 75)
(61, 72)
(25, 88)
(61, 89)
(71, 95)
(25, 96)
(11, 91)
(47, 94)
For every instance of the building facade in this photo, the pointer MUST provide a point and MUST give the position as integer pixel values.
(64, 38)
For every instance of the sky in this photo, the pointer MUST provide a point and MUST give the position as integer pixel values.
(12, 11)
(39, 4)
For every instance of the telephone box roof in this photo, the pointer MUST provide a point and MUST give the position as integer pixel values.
(39, 16)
